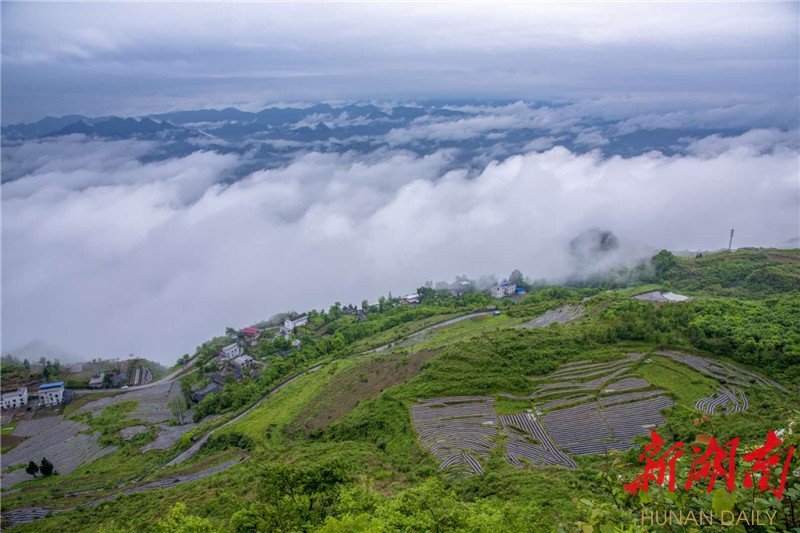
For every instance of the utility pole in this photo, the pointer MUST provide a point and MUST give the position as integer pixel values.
(730, 242)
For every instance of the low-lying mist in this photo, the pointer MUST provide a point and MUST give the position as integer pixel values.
(104, 255)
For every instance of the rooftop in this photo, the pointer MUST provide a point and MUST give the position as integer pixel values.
(54, 385)
(18, 392)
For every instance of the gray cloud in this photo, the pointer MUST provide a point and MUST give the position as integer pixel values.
(129, 58)
(155, 258)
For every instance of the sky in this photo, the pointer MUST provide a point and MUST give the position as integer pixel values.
(107, 252)
(136, 58)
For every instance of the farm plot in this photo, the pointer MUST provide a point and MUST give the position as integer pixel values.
(152, 402)
(29, 428)
(528, 440)
(598, 428)
(167, 436)
(458, 431)
(728, 399)
(64, 445)
(562, 315)
(571, 384)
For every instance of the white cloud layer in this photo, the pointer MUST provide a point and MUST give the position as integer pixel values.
(104, 255)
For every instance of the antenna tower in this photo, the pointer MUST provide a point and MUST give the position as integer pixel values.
(730, 242)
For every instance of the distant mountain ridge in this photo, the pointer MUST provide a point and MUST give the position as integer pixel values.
(274, 136)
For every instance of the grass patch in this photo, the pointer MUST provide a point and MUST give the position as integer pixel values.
(685, 384)
(79, 402)
(266, 422)
(510, 406)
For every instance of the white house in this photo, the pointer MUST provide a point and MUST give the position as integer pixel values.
(243, 361)
(231, 351)
(410, 299)
(290, 323)
(51, 393)
(506, 288)
(16, 399)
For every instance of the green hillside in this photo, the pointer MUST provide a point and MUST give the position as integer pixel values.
(338, 448)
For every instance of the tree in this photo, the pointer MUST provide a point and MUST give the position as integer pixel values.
(178, 407)
(296, 497)
(43, 361)
(230, 332)
(32, 469)
(26, 364)
(516, 277)
(46, 468)
(178, 521)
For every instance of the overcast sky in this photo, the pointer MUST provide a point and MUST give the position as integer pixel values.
(99, 58)
(106, 252)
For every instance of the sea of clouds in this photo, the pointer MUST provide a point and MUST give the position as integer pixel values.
(105, 255)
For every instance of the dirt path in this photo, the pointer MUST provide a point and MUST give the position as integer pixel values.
(425, 330)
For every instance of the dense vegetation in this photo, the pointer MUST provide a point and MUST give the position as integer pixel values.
(364, 471)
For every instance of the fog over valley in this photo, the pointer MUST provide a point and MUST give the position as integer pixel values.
(153, 253)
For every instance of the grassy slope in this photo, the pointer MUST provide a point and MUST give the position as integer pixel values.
(475, 357)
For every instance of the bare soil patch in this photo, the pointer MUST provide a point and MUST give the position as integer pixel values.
(361, 382)
(10, 440)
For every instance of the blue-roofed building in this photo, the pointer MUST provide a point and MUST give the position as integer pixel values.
(51, 393)
(520, 290)
(503, 289)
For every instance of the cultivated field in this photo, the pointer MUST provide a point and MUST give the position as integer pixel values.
(584, 407)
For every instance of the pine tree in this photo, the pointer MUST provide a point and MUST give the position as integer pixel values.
(32, 469)
(46, 468)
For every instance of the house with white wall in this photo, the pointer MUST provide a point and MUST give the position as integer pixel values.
(231, 351)
(51, 393)
(16, 399)
(290, 323)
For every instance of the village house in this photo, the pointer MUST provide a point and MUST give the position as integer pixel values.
(211, 388)
(505, 288)
(16, 399)
(119, 379)
(350, 310)
(51, 393)
(290, 323)
(231, 351)
(97, 381)
(217, 378)
(410, 299)
(249, 336)
(243, 361)
(459, 287)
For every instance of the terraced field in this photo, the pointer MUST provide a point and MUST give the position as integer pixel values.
(152, 402)
(730, 396)
(584, 407)
(589, 408)
(29, 428)
(63, 444)
(457, 430)
(562, 315)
